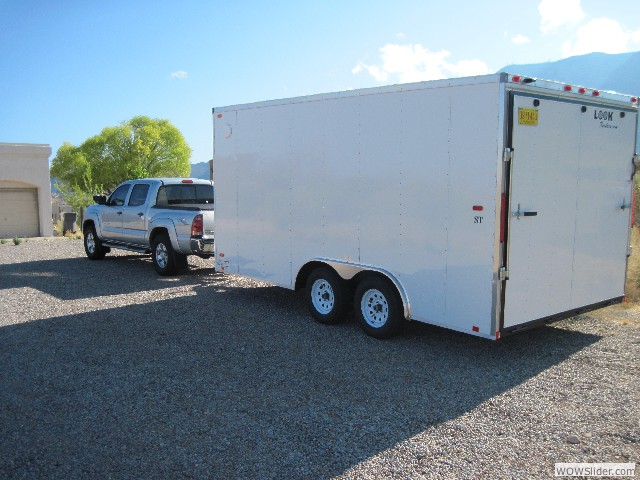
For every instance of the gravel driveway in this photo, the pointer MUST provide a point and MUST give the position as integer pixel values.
(110, 371)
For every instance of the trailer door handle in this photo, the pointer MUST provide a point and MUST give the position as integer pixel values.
(520, 213)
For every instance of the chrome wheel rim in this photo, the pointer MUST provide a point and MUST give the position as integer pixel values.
(374, 308)
(322, 296)
(162, 256)
(91, 242)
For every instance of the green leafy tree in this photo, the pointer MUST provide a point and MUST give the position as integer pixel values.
(138, 148)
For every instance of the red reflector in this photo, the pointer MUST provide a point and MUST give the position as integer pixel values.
(497, 335)
(478, 208)
(567, 88)
(516, 78)
(187, 181)
(582, 90)
(595, 93)
(475, 329)
(503, 213)
(219, 115)
(634, 100)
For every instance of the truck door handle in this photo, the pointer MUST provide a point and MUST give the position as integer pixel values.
(140, 214)
(529, 214)
(119, 213)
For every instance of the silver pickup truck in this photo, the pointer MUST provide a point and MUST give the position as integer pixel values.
(167, 217)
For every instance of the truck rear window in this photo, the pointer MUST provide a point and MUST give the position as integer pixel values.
(185, 195)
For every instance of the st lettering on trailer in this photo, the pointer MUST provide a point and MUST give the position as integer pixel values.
(485, 204)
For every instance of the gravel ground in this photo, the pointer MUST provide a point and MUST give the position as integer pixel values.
(110, 371)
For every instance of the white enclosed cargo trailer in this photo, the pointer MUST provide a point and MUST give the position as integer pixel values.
(484, 204)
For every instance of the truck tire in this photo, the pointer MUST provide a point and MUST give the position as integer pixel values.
(378, 308)
(92, 244)
(326, 296)
(163, 256)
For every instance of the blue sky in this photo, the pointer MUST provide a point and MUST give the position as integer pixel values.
(70, 68)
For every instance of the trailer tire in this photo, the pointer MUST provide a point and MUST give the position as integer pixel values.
(163, 256)
(92, 244)
(326, 296)
(378, 308)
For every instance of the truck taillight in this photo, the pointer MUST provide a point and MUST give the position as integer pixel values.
(196, 226)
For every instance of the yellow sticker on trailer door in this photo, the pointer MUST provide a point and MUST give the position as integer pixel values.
(528, 116)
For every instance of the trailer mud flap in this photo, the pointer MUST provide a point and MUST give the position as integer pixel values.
(568, 222)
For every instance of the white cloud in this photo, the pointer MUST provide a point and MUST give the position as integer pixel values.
(414, 63)
(180, 75)
(520, 39)
(559, 13)
(589, 38)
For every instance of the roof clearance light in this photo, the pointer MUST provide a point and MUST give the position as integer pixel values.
(516, 78)
(582, 90)
(567, 88)
(596, 93)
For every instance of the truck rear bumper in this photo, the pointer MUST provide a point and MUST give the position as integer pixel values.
(204, 248)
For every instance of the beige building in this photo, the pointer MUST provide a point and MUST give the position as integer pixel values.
(25, 190)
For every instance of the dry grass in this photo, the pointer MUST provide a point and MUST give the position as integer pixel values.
(633, 268)
(57, 232)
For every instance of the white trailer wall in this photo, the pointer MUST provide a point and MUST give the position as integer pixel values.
(381, 177)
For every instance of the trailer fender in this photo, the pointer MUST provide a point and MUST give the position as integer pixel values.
(348, 270)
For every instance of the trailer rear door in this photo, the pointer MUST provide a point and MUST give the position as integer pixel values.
(570, 196)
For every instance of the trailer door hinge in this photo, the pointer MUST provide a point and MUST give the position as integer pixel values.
(503, 274)
(507, 155)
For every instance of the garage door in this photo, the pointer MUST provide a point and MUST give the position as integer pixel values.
(19, 212)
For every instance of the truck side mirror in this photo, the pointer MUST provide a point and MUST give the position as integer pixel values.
(100, 199)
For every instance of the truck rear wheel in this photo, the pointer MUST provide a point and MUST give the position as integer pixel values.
(378, 308)
(92, 244)
(164, 258)
(326, 296)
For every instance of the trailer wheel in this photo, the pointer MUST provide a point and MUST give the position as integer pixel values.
(378, 308)
(326, 296)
